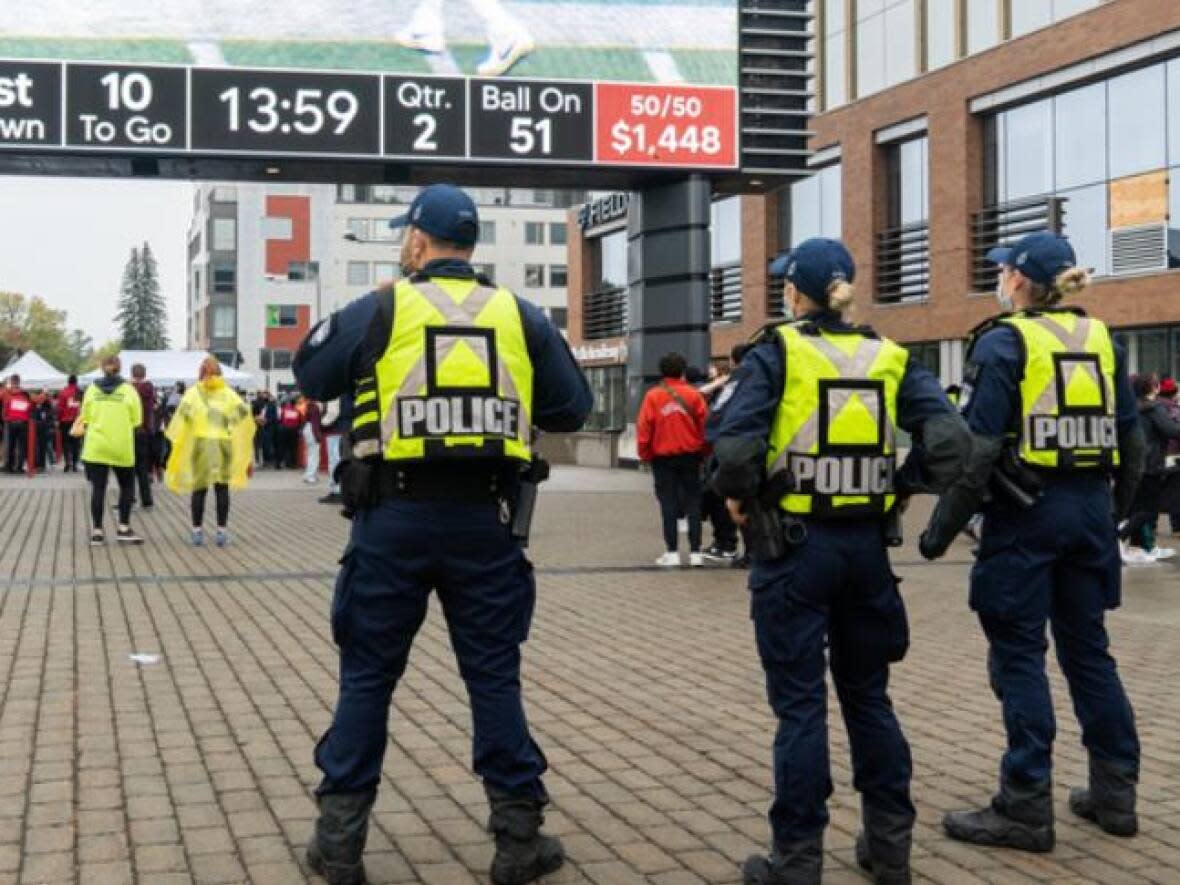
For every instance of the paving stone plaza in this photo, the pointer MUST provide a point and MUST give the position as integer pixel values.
(193, 763)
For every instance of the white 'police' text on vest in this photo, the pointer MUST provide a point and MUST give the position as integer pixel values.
(850, 475)
(1069, 432)
(458, 415)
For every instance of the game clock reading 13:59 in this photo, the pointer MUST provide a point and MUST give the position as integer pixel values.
(285, 112)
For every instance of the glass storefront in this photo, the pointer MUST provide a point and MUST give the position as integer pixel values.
(608, 385)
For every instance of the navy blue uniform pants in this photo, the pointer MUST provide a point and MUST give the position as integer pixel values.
(1056, 564)
(398, 552)
(838, 594)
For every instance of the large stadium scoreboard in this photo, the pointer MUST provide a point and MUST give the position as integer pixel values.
(262, 113)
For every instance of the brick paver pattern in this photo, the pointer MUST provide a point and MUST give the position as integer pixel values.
(643, 687)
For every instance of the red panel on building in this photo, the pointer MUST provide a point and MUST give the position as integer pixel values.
(280, 253)
(290, 337)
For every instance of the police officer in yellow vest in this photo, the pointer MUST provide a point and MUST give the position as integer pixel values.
(450, 373)
(1047, 397)
(809, 438)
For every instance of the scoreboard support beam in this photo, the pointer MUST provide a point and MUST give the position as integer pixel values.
(668, 280)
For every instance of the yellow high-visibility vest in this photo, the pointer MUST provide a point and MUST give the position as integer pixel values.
(455, 379)
(835, 427)
(1067, 391)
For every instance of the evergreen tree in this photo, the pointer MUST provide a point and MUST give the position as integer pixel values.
(153, 309)
(129, 316)
(143, 314)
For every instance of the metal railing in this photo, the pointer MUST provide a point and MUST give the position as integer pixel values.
(903, 264)
(604, 314)
(725, 293)
(1004, 223)
(775, 306)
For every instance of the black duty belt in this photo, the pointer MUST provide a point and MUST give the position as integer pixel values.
(454, 481)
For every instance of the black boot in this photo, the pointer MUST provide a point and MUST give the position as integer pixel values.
(792, 863)
(1110, 801)
(1019, 817)
(337, 848)
(883, 849)
(523, 853)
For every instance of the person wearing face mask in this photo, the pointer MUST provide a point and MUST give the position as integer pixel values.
(212, 436)
(806, 450)
(448, 373)
(1048, 400)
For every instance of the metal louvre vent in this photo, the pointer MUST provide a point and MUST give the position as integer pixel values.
(775, 85)
(725, 293)
(1140, 249)
(604, 314)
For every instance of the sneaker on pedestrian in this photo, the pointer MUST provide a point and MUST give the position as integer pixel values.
(221, 538)
(696, 560)
(310, 480)
(720, 554)
(197, 537)
(332, 498)
(97, 538)
(1163, 552)
(1135, 555)
(671, 559)
(125, 535)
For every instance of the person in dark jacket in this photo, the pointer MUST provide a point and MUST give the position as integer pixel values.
(718, 393)
(145, 434)
(1171, 503)
(1159, 429)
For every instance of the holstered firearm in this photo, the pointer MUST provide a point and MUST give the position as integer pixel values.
(357, 478)
(1014, 481)
(891, 531)
(769, 532)
(525, 503)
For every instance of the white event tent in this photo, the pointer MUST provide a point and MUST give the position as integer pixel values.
(35, 372)
(166, 367)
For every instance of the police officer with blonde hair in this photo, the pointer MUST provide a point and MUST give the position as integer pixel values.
(1047, 397)
(807, 450)
(449, 373)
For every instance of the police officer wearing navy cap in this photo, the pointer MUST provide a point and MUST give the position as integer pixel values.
(807, 456)
(1048, 400)
(449, 374)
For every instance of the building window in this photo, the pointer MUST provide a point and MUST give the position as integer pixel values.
(534, 233)
(487, 232)
(815, 206)
(346, 193)
(884, 45)
(1138, 132)
(928, 355)
(224, 278)
(835, 41)
(279, 316)
(358, 273)
(534, 276)
(558, 234)
(559, 316)
(358, 228)
(224, 321)
(909, 182)
(725, 231)
(1029, 15)
(485, 270)
(608, 386)
(225, 231)
(983, 25)
(384, 272)
(558, 276)
(612, 261)
(941, 40)
(274, 359)
(381, 232)
(1080, 158)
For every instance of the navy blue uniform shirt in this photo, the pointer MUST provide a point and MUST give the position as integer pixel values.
(338, 349)
(759, 390)
(991, 387)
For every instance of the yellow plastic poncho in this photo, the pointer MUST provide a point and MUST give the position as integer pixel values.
(212, 436)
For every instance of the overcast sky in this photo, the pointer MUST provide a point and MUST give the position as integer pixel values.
(67, 239)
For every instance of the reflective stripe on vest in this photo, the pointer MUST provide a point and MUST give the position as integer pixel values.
(456, 379)
(835, 427)
(1067, 392)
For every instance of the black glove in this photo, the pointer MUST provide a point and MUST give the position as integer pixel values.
(1132, 455)
(962, 500)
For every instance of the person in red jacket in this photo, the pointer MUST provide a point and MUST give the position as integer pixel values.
(671, 435)
(18, 408)
(69, 404)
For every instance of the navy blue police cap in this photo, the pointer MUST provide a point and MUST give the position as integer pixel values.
(443, 211)
(814, 265)
(1040, 256)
